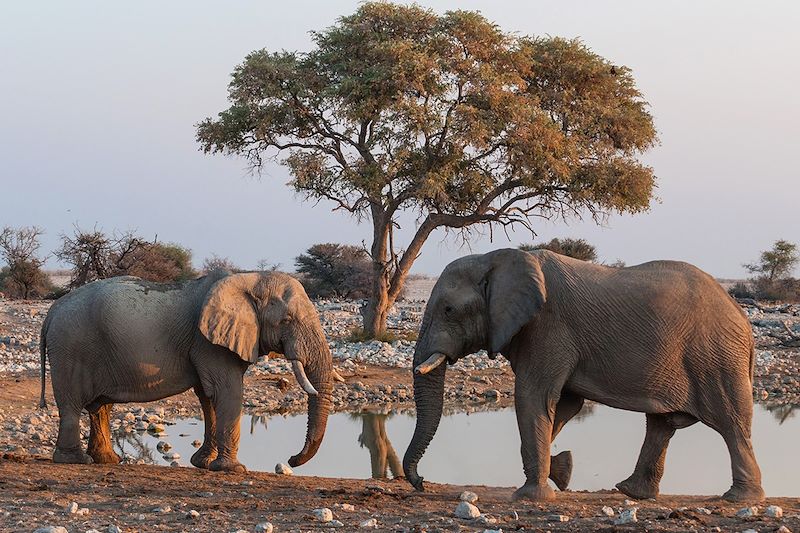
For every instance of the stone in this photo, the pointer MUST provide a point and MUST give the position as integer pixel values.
(264, 527)
(174, 456)
(72, 508)
(468, 496)
(163, 509)
(284, 470)
(335, 523)
(467, 511)
(751, 530)
(345, 507)
(773, 511)
(51, 529)
(783, 529)
(703, 510)
(192, 515)
(557, 518)
(747, 512)
(163, 446)
(196, 443)
(83, 511)
(608, 511)
(113, 528)
(323, 514)
(492, 531)
(486, 520)
(369, 523)
(626, 517)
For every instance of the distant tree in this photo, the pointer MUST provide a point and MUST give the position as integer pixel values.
(22, 277)
(577, 248)
(266, 265)
(335, 270)
(618, 263)
(773, 279)
(93, 255)
(216, 262)
(399, 108)
(776, 263)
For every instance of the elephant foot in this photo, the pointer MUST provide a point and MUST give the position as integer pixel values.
(743, 492)
(223, 464)
(561, 469)
(107, 456)
(638, 488)
(534, 492)
(203, 458)
(71, 456)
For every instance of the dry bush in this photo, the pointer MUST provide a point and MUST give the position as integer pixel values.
(335, 270)
(216, 262)
(576, 248)
(22, 277)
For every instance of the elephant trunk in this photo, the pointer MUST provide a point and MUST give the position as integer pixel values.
(429, 399)
(318, 367)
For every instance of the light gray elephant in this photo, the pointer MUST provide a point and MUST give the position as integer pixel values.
(662, 338)
(126, 340)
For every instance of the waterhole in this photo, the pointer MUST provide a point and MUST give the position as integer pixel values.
(483, 448)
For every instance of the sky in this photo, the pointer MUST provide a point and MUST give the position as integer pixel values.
(99, 101)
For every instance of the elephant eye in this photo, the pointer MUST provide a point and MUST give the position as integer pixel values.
(286, 319)
(448, 309)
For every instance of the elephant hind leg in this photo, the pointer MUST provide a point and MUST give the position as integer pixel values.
(100, 448)
(208, 451)
(644, 481)
(746, 474)
(68, 445)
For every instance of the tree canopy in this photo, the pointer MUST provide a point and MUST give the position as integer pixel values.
(577, 248)
(397, 107)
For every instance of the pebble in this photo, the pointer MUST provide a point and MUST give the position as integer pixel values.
(608, 511)
(284, 470)
(492, 531)
(335, 523)
(747, 512)
(264, 527)
(557, 518)
(467, 511)
(703, 510)
(163, 509)
(323, 514)
(51, 529)
(345, 507)
(773, 511)
(783, 529)
(626, 517)
(163, 446)
(113, 528)
(196, 443)
(192, 514)
(174, 456)
(72, 508)
(369, 523)
(468, 496)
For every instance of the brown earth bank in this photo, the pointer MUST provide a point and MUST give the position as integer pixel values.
(36, 493)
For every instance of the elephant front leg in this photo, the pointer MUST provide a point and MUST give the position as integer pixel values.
(203, 457)
(535, 415)
(100, 448)
(228, 409)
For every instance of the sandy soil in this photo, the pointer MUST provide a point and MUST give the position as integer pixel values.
(35, 493)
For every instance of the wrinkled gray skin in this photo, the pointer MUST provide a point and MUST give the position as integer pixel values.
(126, 340)
(662, 338)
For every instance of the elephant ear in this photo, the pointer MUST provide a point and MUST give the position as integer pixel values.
(515, 291)
(228, 317)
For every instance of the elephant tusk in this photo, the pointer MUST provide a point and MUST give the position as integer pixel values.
(300, 375)
(336, 375)
(433, 361)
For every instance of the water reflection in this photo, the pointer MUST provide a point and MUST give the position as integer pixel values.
(382, 457)
(133, 448)
(782, 413)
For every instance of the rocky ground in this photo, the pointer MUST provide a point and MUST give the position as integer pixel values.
(34, 492)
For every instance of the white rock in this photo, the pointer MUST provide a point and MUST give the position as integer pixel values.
(163, 509)
(369, 523)
(492, 531)
(485, 520)
(345, 507)
(83, 511)
(192, 514)
(113, 528)
(468, 496)
(608, 511)
(703, 510)
(323, 514)
(284, 470)
(783, 529)
(467, 510)
(51, 529)
(91, 531)
(264, 527)
(163, 446)
(629, 503)
(196, 443)
(72, 508)
(773, 511)
(747, 512)
(557, 518)
(627, 516)
(174, 456)
(335, 523)
(751, 530)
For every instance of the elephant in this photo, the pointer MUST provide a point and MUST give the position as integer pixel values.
(123, 339)
(662, 338)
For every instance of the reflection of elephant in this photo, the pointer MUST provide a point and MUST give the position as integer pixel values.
(661, 338)
(382, 456)
(126, 340)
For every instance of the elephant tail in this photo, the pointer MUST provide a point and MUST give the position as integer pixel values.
(43, 359)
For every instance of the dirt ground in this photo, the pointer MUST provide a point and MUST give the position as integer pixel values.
(35, 492)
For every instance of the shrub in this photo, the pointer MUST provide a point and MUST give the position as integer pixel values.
(741, 289)
(335, 270)
(774, 268)
(22, 277)
(576, 248)
(216, 262)
(159, 262)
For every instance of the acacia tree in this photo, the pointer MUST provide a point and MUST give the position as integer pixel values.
(577, 248)
(398, 108)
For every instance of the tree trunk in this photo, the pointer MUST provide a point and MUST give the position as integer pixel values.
(378, 305)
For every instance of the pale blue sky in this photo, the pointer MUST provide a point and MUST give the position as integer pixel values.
(98, 102)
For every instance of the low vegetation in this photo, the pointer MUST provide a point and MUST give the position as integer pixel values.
(332, 270)
(22, 275)
(577, 248)
(772, 280)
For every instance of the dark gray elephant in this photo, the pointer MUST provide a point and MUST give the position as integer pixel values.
(662, 338)
(126, 340)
